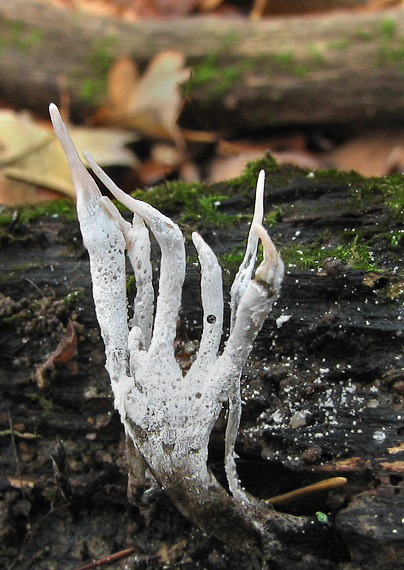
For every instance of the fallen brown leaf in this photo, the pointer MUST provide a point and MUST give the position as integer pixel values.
(209, 5)
(374, 153)
(23, 482)
(31, 154)
(150, 103)
(14, 192)
(283, 7)
(232, 157)
(65, 351)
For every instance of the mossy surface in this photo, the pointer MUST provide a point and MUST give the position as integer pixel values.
(390, 49)
(99, 58)
(312, 215)
(19, 35)
(220, 71)
(26, 214)
(352, 250)
(216, 75)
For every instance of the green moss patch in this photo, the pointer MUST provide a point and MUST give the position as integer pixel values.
(19, 35)
(354, 252)
(26, 214)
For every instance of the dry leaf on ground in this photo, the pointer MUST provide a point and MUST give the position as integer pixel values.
(138, 9)
(232, 157)
(290, 7)
(64, 352)
(18, 134)
(372, 154)
(16, 192)
(175, 7)
(209, 5)
(31, 154)
(150, 103)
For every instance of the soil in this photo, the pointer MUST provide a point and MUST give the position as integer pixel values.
(322, 393)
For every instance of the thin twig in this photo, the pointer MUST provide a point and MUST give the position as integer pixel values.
(17, 460)
(116, 556)
(324, 485)
(35, 286)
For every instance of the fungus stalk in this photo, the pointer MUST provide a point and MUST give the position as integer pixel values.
(168, 416)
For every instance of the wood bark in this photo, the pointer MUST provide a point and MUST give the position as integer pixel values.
(322, 393)
(344, 67)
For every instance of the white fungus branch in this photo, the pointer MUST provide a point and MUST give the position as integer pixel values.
(169, 416)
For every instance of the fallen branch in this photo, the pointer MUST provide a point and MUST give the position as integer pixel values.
(319, 69)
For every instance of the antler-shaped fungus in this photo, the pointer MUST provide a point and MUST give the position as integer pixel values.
(168, 416)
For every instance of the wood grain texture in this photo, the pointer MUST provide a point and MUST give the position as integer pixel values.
(344, 67)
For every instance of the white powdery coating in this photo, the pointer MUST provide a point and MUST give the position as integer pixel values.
(170, 416)
(172, 268)
(138, 246)
(109, 289)
(246, 268)
(212, 304)
(138, 241)
(106, 247)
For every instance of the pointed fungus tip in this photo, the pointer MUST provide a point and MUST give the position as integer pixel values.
(261, 181)
(259, 199)
(195, 237)
(58, 123)
(55, 115)
(53, 109)
(87, 191)
(89, 157)
(271, 259)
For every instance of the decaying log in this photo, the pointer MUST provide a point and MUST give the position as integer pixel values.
(342, 67)
(322, 393)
